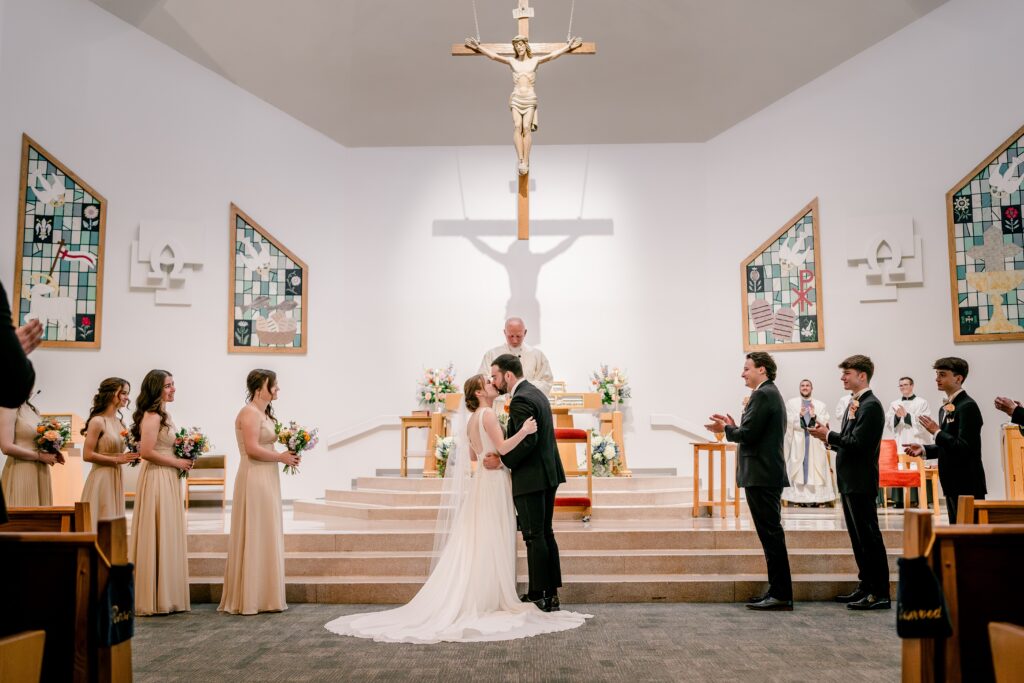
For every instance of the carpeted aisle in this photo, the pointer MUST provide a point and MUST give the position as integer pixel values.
(632, 643)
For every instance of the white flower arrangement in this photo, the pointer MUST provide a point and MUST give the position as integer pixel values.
(503, 422)
(613, 385)
(443, 447)
(604, 455)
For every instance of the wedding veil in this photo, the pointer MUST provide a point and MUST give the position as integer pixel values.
(458, 476)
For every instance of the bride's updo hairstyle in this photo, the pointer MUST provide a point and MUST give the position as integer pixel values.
(469, 389)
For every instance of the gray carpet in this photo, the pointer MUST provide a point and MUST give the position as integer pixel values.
(632, 643)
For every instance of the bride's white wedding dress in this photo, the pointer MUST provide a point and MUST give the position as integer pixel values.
(471, 594)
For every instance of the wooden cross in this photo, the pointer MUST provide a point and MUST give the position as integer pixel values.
(522, 15)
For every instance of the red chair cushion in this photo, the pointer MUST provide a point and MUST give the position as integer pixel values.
(899, 478)
(572, 502)
(888, 456)
(566, 434)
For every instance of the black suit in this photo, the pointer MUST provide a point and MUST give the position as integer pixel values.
(958, 448)
(857, 447)
(1018, 416)
(536, 473)
(761, 470)
(18, 373)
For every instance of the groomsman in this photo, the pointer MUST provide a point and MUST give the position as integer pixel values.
(902, 418)
(761, 470)
(957, 436)
(857, 446)
(1012, 408)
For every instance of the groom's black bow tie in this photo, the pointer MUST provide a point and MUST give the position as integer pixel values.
(908, 398)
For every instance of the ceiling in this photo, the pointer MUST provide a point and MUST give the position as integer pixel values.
(379, 72)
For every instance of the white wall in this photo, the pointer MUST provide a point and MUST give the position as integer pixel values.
(161, 137)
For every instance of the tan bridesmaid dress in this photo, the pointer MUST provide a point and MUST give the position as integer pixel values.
(26, 483)
(254, 578)
(157, 545)
(104, 490)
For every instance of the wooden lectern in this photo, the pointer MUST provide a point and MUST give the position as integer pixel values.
(562, 402)
(1013, 462)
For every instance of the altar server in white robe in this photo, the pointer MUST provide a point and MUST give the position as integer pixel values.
(902, 420)
(536, 369)
(806, 459)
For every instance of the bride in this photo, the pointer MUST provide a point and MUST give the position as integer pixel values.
(470, 594)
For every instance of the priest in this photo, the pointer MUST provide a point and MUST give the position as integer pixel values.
(810, 481)
(536, 369)
(903, 420)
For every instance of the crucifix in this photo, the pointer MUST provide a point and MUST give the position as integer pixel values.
(524, 58)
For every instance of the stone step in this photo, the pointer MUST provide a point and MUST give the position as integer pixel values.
(372, 512)
(626, 562)
(388, 497)
(573, 483)
(575, 537)
(577, 589)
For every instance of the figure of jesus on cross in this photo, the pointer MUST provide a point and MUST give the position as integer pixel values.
(524, 58)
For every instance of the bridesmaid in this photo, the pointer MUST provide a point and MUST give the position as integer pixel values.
(104, 449)
(157, 543)
(26, 475)
(254, 578)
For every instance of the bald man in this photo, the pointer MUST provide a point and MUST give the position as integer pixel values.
(536, 369)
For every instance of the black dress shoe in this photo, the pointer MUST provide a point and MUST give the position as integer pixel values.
(870, 602)
(757, 598)
(851, 597)
(544, 604)
(771, 604)
(556, 605)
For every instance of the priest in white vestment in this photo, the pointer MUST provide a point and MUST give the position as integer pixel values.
(902, 420)
(810, 481)
(536, 369)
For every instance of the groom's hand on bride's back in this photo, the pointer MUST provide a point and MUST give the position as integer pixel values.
(492, 461)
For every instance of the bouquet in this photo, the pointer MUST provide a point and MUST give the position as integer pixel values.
(51, 435)
(443, 447)
(296, 439)
(604, 455)
(130, 445)
(189, 444)
(435, 383)
(503, 422)
(612, 385)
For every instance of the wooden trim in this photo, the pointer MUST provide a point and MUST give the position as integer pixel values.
(918, 654)
(811, 207)
(16, 296)
(951, 254)
(951, 648)
(236, 213)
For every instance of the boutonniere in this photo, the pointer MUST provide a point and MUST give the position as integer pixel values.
(949, 407)
(746, 400)
(854, 404)
(947, 412)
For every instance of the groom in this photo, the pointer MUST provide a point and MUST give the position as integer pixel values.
(536, 473)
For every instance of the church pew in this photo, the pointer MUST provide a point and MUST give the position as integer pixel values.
(978, 567)
(21, 656)
(52, 581)
(57, 519)
(970, 511)
(1007, 651)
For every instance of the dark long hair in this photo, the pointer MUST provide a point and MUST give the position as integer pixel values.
(255, 381)
(150, 400)
(105, 395)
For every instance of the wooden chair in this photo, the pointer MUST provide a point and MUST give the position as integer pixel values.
(208, 462)
(577, 503)
(21, 656)
(1007, 651)
(53, 582)
(891, 476)
(978, 567)
(970, 511)
(56, 519)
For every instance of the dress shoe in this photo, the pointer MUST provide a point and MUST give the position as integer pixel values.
(771, 604)
(556, 605)
(757, 598)
(525, 597)
(851, 597)
(870, 602)
(544, 604)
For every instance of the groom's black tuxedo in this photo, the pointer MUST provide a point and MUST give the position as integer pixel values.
(536, 473)
(958, 448)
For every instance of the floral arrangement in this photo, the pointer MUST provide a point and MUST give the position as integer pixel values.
(130, 446)
(190, 444)
(503, 421)
(435, 383)
(613, 385)
(443, 447)
(51, 435)
(297, 439)
(604, 454)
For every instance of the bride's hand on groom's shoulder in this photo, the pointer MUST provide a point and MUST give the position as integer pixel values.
(491, 461)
